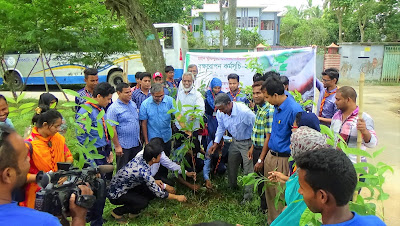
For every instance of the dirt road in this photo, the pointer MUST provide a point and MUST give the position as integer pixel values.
(383, 104)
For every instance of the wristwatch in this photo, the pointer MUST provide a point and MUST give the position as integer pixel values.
(259, 161)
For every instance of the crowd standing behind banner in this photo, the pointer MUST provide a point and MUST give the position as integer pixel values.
(262, 141)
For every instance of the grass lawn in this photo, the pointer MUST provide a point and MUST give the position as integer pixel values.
(221, 203)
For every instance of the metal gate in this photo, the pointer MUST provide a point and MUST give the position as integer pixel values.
(391, 64)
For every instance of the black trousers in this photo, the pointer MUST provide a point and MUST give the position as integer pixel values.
(134, 201)
(128, 155)
(256, 154)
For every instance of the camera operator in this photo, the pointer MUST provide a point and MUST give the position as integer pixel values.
(14, 167)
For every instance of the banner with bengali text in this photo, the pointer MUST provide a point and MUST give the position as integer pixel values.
(297, 64)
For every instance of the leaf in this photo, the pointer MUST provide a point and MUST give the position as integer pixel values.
(383, 196)
(10, 109)
(180, 106)
(13, 114)
(86, 141)
(72, 92)
(69, 104)
(171, 111)
(87, 108)
(26, 110)
(100, 115)
(26, 105)
(53, 105)
(90, 100)
(100, 130)
(10, 100)
(356, 151)
(383, 169)
(110, 130)
(326, 130)
(21, 97)
(183, 170)
(306, 217)
(96, 156)
(378, 152)
(112, 121)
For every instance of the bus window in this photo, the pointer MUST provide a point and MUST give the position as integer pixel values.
(168, 34)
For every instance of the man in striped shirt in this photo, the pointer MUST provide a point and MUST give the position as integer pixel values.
(141, 94)
(346, 123)
(260, 136)
(127, 133)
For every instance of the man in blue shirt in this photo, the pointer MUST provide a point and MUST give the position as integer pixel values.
(14, 167)
(327, 181)
(102, 94)
(326, 106)
(156, 122)
(277, 157)
(141, 94)
(127, 133)
(91, 80)
(235, 94)
(239, 120)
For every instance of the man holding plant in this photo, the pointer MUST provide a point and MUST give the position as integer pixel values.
(346, 123)
(238, 119)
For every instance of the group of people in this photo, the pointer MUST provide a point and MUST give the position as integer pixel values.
(260, 134)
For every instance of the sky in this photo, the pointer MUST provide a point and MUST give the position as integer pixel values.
(297, 3)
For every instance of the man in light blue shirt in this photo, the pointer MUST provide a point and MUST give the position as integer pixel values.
(239, 120)
(126, 138)
(156, 122)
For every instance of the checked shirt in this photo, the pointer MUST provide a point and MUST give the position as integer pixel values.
(263, 124)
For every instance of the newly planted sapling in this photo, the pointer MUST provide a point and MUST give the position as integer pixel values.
(187, 116)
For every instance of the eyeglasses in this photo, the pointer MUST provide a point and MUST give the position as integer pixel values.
(326, 80)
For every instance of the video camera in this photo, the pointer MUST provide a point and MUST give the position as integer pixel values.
(54, 196)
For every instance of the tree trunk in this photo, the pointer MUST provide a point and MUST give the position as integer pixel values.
(361, 26)
(232, 23)
(339, 16)
(221, 26)
(141, 28)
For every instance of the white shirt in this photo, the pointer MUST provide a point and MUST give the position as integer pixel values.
(193, 98)
(165, 161)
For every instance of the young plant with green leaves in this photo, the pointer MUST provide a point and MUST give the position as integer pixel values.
(87, 150)
(299, 99)
(15, 109)
(256, 179)
(187, 119)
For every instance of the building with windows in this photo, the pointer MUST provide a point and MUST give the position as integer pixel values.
(250, 14)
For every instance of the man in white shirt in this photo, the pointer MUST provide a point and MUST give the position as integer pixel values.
(190, 100)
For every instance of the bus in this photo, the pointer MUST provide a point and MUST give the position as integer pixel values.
(174, 44)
